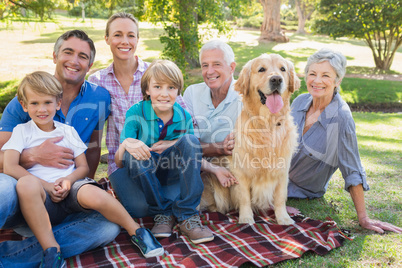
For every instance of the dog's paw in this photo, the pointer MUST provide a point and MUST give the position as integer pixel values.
(285, 221)
(249, 220)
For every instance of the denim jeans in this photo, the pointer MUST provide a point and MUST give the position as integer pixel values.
(131, 195)
(78, 233)
(180, 162)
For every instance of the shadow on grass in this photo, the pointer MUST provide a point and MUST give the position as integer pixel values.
(243, 53)
(94, 34)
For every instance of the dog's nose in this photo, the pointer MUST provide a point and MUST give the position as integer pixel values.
(275, 80)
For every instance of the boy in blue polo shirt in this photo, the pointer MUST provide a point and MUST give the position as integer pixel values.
(157, 144)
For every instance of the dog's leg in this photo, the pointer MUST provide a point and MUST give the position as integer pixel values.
(280, 197)
(240, 195)
(207, 198)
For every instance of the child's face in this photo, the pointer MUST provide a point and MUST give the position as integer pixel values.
(41, 108)
(163, 95)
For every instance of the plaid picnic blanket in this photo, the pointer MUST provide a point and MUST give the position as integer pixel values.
(261, 244)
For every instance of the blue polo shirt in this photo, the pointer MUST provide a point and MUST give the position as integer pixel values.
(87, 112)
(143, 124)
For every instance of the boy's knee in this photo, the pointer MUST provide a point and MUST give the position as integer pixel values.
(189, 140)
(28, 184)
(91, 197)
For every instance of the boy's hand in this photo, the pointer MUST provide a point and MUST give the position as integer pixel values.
(62, 187)
(225, 177)
(50, 189)
(162, 145)
(137, 149)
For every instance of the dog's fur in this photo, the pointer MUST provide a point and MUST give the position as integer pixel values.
(264, 144)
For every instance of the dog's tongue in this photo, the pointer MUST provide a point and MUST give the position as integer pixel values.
(274, 102)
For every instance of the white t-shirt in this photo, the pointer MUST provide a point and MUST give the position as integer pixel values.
(212, 124)
(28, 135)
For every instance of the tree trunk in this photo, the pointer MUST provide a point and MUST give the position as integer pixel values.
(271, 26)
(83, 11)
(301, 18)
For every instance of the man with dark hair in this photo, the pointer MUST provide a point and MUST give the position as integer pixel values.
(85, 106)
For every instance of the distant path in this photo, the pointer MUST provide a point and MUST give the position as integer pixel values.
(390, 77)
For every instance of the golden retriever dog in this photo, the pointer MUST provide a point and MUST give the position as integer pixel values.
(265, 139)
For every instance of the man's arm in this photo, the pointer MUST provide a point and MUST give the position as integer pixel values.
(4, 137)
(94, 151)
(219, 148)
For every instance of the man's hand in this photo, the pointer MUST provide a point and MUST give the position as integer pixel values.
(162, 145)
(48, 154)
(228, 144)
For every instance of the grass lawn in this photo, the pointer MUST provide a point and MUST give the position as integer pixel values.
(29, 47)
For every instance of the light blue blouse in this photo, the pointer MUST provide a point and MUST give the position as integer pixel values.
(331, 143)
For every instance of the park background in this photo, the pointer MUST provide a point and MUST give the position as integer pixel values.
(27, 37)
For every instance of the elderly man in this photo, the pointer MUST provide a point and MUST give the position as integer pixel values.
(85, 106)
(214, 104)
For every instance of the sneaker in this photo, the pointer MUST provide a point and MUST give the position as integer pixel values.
(197, 233)
(163, 226)
(52, 259)
(147, 243)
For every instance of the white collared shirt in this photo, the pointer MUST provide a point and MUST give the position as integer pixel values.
(212, 124)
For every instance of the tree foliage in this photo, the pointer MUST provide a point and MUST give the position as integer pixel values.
(42, 8)
(180, 19)
(378, 22)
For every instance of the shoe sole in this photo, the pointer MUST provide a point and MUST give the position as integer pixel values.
(202, 240)
(162, 235)
(155, 253)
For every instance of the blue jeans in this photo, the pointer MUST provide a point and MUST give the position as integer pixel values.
(181, 162)
(78, 233)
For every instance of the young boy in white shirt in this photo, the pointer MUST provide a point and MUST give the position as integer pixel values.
(47, 195)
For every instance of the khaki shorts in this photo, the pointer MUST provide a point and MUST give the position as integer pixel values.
(59, 211)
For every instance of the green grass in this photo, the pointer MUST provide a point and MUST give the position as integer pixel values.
(7, 92)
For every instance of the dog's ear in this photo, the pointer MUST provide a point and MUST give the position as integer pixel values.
(294, 81)
(243, 83)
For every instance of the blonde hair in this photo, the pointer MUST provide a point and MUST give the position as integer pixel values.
(41, 83)
(121, 15)
(162, 71)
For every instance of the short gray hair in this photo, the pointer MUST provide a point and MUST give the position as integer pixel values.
(228, 54)
(336, 59)
(77, 34)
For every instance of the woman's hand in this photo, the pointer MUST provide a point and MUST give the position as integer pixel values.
(379, 226)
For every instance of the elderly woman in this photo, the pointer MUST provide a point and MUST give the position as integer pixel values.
(327, 138)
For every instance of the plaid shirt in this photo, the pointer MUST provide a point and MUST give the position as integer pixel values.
(121, 102)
